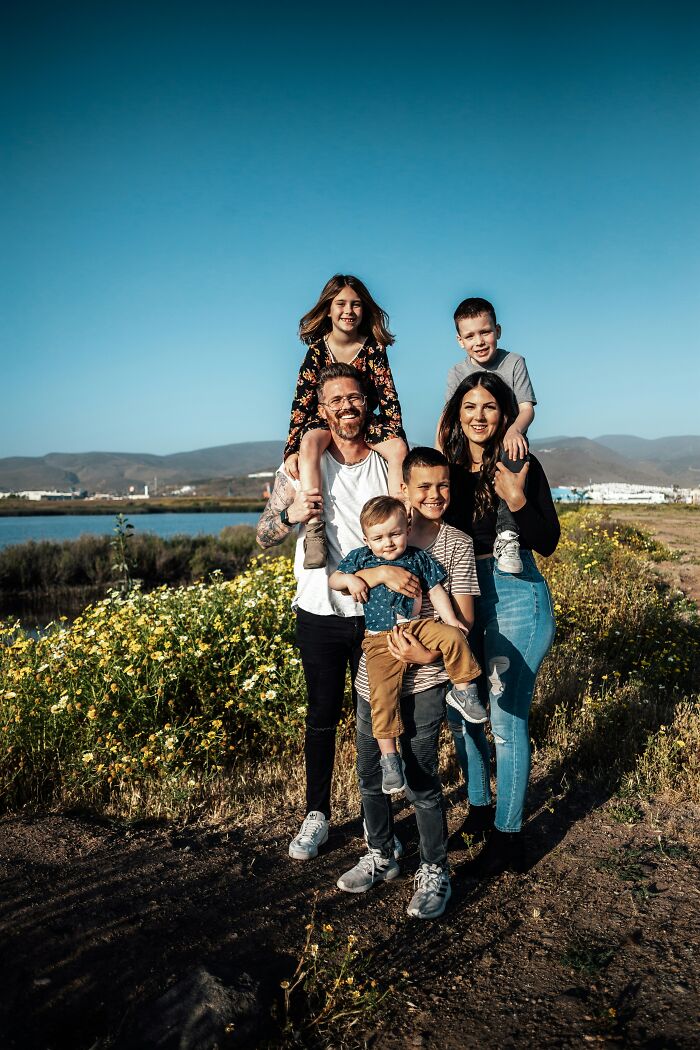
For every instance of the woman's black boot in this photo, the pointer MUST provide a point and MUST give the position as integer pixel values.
(503, 852)
(473, 829)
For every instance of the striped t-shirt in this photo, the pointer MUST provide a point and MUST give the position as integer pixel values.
(455, 552)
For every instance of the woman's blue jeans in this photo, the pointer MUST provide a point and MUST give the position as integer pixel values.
(513, 632)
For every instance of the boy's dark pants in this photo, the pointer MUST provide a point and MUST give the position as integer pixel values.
(422, 715)
(505, 522)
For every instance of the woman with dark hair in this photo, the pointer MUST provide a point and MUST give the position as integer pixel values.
(345, 325)
(514, 621)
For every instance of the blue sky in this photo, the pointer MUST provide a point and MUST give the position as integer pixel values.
(181, 179)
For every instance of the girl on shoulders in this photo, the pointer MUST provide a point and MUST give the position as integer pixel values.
(347, 325)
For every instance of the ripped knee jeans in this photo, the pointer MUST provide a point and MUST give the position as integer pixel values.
(513, 632)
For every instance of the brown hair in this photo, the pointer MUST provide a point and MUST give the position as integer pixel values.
(472, 308)
(378, 510)
(375, 321)
(455, 444)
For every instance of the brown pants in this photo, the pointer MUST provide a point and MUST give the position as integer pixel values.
(385, 672)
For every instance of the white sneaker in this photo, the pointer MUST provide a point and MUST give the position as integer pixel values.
(433, 891)
(506, 551)
(371, 868)
(312, 834)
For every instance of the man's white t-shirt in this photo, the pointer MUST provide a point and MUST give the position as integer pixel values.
(346, 488)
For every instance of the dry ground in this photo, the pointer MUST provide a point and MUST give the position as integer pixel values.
(679, 528)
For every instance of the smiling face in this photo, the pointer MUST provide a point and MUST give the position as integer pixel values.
(342, 405)
(480, 416)
(428, 491)
(346, 312)
(389, 538)
(479, 337)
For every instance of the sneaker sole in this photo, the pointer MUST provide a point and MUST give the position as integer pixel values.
(415, 914)
(466, 717)
(512, 572)
(393, 791)
(306, 854)
(391, 874)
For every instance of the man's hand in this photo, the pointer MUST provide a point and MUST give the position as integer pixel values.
(514, 443)
(291, 465)
(307, 504)
(511, 487)
(405, 647)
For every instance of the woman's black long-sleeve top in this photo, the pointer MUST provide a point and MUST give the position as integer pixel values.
(537, 521)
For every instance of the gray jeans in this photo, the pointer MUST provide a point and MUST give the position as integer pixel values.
(422, 715)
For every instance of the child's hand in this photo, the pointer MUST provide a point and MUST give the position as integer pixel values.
(357, 588)
(291, 465)
(405, 647)
(511, 487)
(514, 443)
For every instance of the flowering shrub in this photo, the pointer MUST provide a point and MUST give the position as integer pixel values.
(173, 683)
(153, 697)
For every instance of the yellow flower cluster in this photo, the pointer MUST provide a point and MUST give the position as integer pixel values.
(149, 686)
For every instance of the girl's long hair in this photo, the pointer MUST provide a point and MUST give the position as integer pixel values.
(455, 445)
(375, 321)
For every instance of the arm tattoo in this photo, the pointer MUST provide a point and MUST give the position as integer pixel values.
(270, 530)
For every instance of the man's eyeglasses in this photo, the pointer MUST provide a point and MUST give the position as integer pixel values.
(354, 400)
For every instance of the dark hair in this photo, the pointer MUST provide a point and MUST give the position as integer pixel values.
(422, 456)
(378, 510)
(375, 321)
(472, 308)
(455, 444)
(340, 370)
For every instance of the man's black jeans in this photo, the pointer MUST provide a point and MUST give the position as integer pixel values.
(328, 645)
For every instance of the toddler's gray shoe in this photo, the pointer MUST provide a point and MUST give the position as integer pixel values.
(315, 545)
(467, 702)
(371, 868)
(432, 892)
(392, 774)
(506, 551)
(312, 834)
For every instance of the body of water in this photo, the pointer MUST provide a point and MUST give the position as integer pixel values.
(66, 527)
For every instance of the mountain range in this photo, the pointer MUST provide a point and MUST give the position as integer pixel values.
(566, 460)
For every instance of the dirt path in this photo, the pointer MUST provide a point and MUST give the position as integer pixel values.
(678, 527)
(597, 942)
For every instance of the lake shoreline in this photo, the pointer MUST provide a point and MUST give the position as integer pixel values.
(77, 508)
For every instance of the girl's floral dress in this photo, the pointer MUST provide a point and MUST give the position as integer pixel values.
(383, 408)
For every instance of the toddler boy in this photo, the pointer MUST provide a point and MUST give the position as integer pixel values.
(384, 524)
(478, 333)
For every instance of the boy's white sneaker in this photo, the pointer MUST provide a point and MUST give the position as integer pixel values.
(433, 891)
(506, 551)
(312, 834)
(371, 868)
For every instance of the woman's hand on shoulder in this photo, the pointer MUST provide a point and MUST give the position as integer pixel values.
(511, 487)
(403, 646)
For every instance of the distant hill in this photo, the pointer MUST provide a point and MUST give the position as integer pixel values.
(116, 471)
(567, 461)
(578, 461)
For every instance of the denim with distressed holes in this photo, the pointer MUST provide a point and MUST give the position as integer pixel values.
(422, 715)
(513, 632)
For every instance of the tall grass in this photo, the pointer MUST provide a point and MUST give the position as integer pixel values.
(164, 703)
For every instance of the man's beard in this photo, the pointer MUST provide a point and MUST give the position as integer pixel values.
(347, 429)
